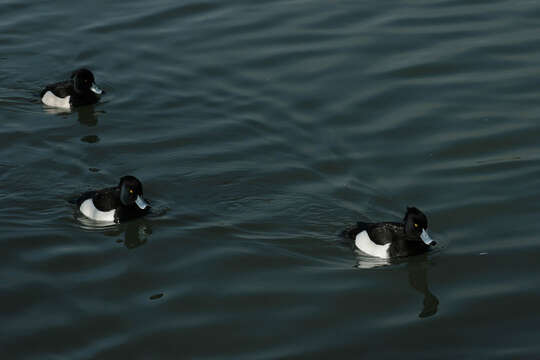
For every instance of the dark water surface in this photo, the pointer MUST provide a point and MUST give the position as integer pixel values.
(260, 130)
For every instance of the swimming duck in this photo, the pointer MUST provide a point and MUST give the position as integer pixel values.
(393, 239)
(80, 90)
(115, 204)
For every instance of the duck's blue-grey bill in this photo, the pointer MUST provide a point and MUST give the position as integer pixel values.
(141, 203)
(425, 237)
(95, 89)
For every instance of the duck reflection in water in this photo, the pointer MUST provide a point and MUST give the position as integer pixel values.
(417, 272)
(418, 280)
(86, 115)
(136, 232)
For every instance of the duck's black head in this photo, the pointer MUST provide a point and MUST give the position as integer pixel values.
(131, 191)
(416, 225)
(84, 82)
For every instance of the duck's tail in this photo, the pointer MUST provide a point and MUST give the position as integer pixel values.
(351, 232)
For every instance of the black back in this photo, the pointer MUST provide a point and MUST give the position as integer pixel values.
(60, 89)
(104, 200)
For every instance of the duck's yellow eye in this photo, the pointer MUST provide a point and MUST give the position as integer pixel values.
(415, 225)
(131, 192)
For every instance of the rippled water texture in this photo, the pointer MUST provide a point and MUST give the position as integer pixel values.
(260, 130)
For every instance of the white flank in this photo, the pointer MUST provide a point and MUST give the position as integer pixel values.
(89, 210)
(52, 100)
(364, 243)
